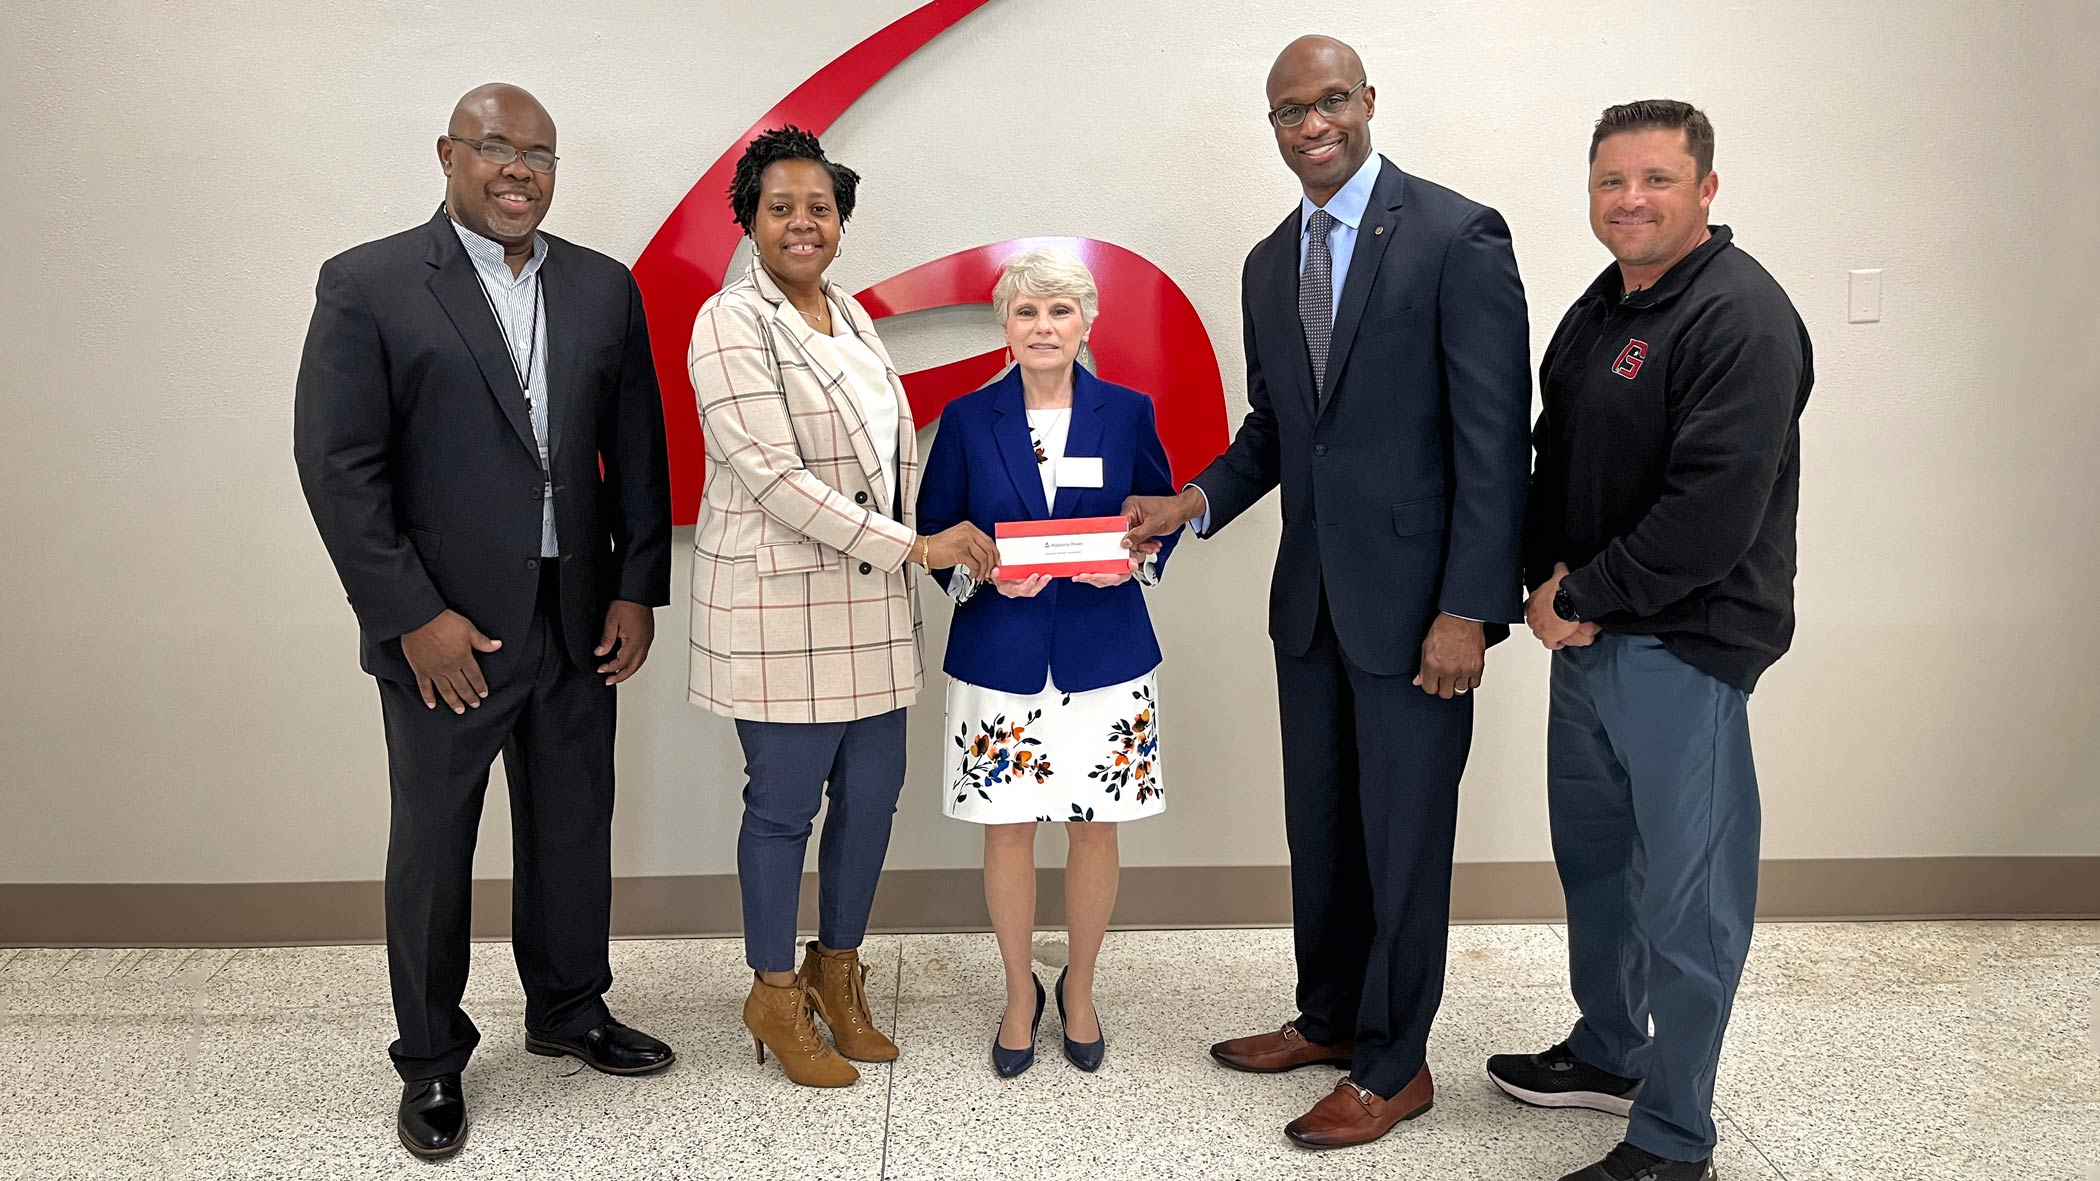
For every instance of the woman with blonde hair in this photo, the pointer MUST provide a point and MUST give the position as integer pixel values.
(1052, 695)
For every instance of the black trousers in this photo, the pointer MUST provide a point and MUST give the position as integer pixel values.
(1371, 767)
(553, 724)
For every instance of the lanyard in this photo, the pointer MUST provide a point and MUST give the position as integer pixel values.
(532, 353)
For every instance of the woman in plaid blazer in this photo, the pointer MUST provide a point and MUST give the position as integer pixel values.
(805, 616)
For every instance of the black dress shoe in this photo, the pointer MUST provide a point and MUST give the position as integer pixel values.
(612, 1048)
(433, 1117)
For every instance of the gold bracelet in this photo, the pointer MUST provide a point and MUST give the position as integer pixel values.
(926, 552)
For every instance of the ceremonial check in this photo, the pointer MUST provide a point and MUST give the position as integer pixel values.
(1086, 545)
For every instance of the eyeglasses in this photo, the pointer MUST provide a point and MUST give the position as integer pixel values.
(1292, 114)
(496, 152)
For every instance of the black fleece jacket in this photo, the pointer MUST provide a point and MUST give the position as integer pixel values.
(1668, 466)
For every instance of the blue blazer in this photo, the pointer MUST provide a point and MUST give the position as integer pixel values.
(982, 469)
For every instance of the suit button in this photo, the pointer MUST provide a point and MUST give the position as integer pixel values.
(532, 563)
(860, 498)
(866, 569)
(1319, 448)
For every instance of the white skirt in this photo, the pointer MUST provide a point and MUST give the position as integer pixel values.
(1053, 756)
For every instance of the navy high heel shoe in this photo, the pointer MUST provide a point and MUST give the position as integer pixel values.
(1085, 1055)
(1012, 1062)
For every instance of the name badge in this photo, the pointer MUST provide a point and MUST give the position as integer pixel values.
(1079, 471)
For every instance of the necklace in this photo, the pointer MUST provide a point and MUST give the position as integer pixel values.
(821, 323)
(1039, 431)
(815, 321)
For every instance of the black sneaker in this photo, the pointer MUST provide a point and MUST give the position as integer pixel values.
(1627, 1163)
(1557, 1078)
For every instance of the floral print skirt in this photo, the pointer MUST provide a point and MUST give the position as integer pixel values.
(1053, 756)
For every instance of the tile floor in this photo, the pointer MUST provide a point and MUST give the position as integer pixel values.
(1883, 1051)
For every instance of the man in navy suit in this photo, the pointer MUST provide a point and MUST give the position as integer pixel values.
(1388, 384)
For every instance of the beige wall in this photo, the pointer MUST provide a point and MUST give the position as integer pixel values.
(185, 704)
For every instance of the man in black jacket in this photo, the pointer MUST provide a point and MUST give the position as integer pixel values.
(1660, 544)
(1388, 386)
(447, 369)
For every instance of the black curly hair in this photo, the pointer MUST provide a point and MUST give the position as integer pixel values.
(771, 147)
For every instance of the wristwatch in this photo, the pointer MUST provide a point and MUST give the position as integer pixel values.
(1564, 606)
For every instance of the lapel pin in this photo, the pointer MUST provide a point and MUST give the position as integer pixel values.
(1376, 230)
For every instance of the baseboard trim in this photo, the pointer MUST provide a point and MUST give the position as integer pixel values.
(922, 900)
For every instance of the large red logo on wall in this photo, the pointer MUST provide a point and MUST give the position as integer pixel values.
(1153, 341)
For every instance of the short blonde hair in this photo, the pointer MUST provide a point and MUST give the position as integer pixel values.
(1049, 273)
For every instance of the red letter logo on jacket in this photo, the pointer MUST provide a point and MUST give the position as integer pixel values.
(1628, 365)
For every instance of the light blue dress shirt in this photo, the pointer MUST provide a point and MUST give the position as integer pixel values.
(521, 315)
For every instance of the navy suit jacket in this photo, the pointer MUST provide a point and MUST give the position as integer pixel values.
(982, 469)
(1404, 477)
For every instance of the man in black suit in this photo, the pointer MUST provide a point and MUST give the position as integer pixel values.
(447, 369)
(1388, 383)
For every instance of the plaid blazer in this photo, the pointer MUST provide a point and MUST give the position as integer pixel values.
(803, 607)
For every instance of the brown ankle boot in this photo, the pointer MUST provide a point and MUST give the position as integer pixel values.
(779, 1018)
(837, 983)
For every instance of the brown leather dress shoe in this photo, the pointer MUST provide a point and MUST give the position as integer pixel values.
(1351, 1115)
(1286, 1049)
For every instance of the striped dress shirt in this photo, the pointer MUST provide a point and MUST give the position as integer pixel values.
(521, 312)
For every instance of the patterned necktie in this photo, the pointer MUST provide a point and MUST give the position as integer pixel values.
(1316, 296)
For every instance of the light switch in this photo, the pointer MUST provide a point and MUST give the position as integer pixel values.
(1865, 303)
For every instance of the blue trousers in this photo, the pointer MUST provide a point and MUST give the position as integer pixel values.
(1371, 766)
(791, 768)
(1655, 824)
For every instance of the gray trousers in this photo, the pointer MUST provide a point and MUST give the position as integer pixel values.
(792, 767)
(1655, 821)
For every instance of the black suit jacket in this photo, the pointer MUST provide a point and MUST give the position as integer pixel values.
(416, 451)
(1404, 479)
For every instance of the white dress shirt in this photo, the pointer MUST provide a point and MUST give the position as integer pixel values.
(868, 384)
